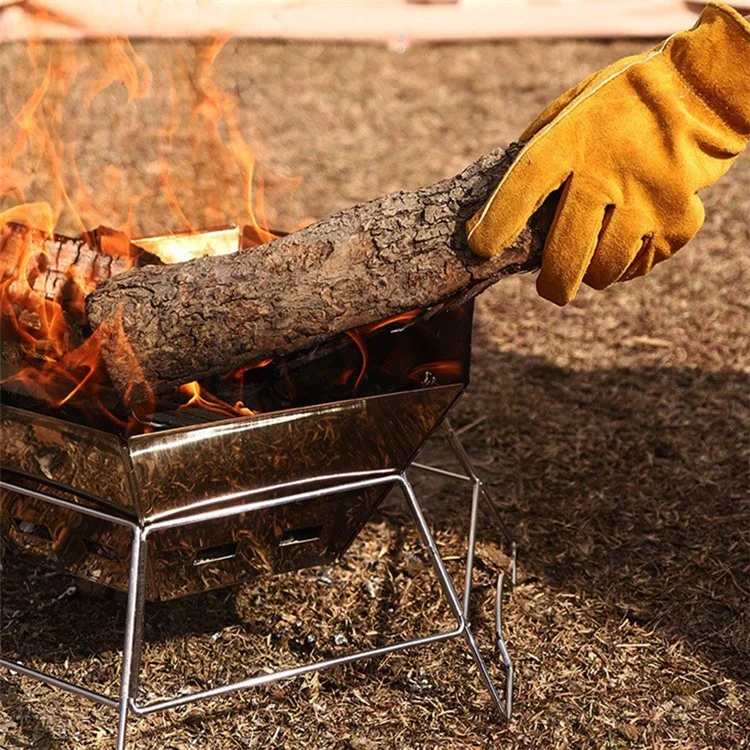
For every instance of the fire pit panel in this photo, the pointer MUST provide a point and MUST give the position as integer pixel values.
(190, 466)
(73, 456)
(82, 545)
(224, 463)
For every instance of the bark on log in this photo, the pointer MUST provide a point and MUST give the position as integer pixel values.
(403, 251)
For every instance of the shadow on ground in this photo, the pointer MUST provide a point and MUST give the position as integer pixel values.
(628, 486)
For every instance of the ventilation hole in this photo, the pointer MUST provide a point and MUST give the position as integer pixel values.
(29, 528)
(215, 554)
(301, 536)
(99, 550)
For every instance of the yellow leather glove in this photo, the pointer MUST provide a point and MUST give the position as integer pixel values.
(629, 146)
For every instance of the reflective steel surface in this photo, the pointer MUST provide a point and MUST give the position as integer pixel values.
(224, 463)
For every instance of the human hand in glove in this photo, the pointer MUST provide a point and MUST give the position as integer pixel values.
(630, 147)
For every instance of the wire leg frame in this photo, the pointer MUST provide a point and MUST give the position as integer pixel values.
(127, 703)
(479, 491)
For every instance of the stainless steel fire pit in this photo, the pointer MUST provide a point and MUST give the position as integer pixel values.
(222, 463)
(181, 510)
(177, 472)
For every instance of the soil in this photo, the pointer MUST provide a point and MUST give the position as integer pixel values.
(613, 432)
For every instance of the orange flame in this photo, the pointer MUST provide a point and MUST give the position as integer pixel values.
(445, 368)
(404, 317)
(122, 65)
(356, 337)
(41, 147)
(39, 151)
(200, 397)
(42, 352)
(56, 360)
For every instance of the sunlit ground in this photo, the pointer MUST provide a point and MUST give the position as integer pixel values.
(614, 431)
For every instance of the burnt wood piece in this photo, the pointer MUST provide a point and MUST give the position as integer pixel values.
(57, 270)
(51, 261)
(399, 252)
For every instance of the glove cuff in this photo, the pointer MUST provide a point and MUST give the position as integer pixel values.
(714, 60)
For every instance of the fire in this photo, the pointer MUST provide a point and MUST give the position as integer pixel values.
(395, 320)
(199, 397)
(356, 337)
(444, 368)
(48, 351)
(44, 351)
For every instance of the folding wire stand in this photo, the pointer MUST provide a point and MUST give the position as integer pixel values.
(127, 703)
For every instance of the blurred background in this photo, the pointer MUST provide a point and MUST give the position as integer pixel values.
(391, 20)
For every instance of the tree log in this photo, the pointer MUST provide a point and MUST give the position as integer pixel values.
(399, 252)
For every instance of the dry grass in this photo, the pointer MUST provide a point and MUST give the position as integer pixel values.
(615, 433)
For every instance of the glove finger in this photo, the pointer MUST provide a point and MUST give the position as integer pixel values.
(657, 248)
(571, 242)
(519, 194)
(621, 241)
(643, 261)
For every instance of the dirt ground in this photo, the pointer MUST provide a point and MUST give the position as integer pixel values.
(614, 433)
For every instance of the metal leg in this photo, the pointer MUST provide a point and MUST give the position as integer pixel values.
(508, 664)
(450, 593)
(479, 490)
(135, 583)
(127, 703)
(475, 490)
(277, 675)
(140, 616)
(468, 466)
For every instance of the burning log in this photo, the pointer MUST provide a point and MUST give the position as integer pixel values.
(399, 252)
(45, 347)
(51, 261)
